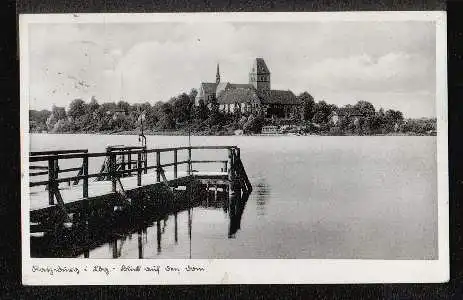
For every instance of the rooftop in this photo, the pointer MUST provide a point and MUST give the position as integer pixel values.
(259, 66)
(278, 97)
(209, 87)
(238, 95)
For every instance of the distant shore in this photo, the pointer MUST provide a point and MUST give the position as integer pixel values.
(183, 133)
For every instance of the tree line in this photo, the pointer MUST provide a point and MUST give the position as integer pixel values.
(362, 118)
(179, 115)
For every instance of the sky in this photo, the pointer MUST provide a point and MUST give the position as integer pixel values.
(390, 64)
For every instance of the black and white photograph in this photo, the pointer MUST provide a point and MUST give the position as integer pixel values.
(269, 147)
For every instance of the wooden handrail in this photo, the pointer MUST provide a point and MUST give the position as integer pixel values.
(38, 167)
(54, 152)
(125, 147)
(209, 161)
(57, 171)
(46, 157)
(39, 173)
(137, 166)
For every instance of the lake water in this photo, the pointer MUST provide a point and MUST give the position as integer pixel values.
(314, 197)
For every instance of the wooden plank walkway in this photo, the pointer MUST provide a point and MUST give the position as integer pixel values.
(73, 193)
(59, 199)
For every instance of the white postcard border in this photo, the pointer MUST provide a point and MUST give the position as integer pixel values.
(235, 271)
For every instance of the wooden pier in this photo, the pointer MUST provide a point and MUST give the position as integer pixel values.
(130, 179)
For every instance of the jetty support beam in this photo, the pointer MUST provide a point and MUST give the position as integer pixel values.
(51, 181)
(175, 163)
(189, 161)
(158, 166)
(85, 173)
(112, 170)
(139, 169)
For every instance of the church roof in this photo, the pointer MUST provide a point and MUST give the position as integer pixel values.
(246, 95)
(241, 85)
(278, 97)
(223, 86)
(237, 96)
(209, 87)
(259, 66)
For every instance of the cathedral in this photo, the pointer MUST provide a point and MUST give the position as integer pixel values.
(255, 97)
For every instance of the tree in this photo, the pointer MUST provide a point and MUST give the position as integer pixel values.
(193, 93)
(123, 106)
(39, 116)
(201, 111)
(308, 105)
(181, 108)
(38, 119)
(62, 125)
(322, 112)
(122, 122)
(365, 108)
(58, 112)
(93, 105)
(367, 111)
(393, 119)
(419, 126)
(253, 124)
(77, 108)
(145, 107)
(394, 116)
(377, 122)
(165, 116)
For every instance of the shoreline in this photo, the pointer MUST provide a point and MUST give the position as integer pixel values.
(178, 133)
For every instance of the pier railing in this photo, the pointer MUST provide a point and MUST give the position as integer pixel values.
(134, 160)
(53, 169)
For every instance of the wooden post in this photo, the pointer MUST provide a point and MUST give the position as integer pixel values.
(139, 168)
(140, 245)
(158, 166)
(51, 180)
(56, 168)
(175, 163)
(115, 248)
(112, 170)
(158, 231)
(85, 224)
(189, 161)
(129, 161)
(145, 160)
(123, 164)
(176, 229)
(230, 159)
(232, 171)
(85, 180)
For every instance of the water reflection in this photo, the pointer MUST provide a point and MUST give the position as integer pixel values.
(237, 205)
(89, 234)
(190, 222)
(176, 228)
(262, 190)
(140, 243)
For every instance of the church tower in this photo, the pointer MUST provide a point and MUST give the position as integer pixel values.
(259, 76)
(217, 76)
